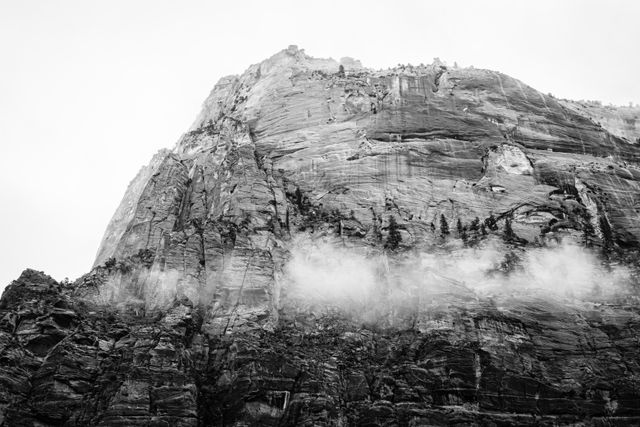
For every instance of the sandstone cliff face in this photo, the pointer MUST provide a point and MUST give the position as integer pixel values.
(188, 318)
(417, 143)
(623, 122)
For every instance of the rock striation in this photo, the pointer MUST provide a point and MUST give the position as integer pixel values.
(468, 363)
(187, 318)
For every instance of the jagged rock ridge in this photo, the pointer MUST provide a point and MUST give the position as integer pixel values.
(184, 319)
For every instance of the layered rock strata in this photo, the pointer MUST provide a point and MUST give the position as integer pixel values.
(187, 318)
(466, 362)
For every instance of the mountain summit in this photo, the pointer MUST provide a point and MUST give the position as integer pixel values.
(334, 245)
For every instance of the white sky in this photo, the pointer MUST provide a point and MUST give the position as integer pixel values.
(90, 90)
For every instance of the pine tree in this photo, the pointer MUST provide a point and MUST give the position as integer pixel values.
(298, 195)
(394, 237)
(474, 224)
(483, 230)
(444, 226)
(459, 227)
(464, 236)
(588, 232)
(509, 235)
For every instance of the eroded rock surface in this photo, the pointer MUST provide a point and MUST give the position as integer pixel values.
(414, 142)
(500, 362)
(186, 318)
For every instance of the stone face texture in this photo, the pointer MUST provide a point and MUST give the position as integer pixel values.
(413, 142)
(66, 361)
(128, 208)
(183, 320)
(620, 121)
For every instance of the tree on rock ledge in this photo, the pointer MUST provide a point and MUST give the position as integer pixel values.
(491, 223)
(444, 226)
(394, 237)
(509, 235)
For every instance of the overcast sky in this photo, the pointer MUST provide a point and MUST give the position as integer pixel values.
(90, 90)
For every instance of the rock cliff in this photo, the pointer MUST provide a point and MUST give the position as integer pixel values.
(191, 316)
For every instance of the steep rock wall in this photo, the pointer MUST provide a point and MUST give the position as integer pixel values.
(503, 361)
(187, 319)
(418, 143)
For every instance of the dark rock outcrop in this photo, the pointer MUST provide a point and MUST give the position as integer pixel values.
(536, 362)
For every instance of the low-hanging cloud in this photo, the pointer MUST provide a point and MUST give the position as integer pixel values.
(147, 289)
(382, 288)
(371, 284)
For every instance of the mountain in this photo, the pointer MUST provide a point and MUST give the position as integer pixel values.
(334, 245)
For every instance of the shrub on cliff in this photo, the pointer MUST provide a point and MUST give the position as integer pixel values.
(491, 223)
(110, 263)
(510, 262)
(144, 257)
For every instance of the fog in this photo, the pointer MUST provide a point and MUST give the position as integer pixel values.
(148, 290)
(369, 283)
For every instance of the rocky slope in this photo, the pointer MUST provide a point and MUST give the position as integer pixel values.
(623, 122)
(190, 315)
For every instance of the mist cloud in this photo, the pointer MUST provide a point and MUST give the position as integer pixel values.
(373, 286)
(369, 284)
(147, 289)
